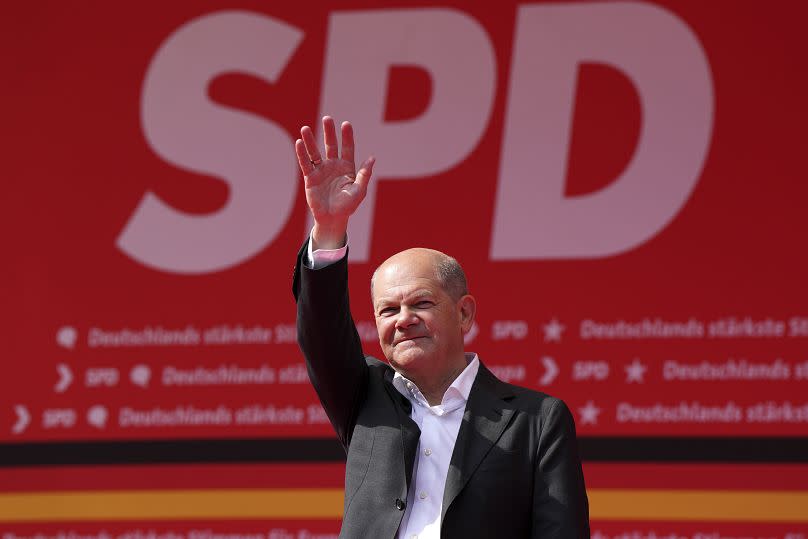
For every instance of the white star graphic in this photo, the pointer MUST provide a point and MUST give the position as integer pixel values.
(598, 535)
(553, 331)
(589, 413)
(635, 372)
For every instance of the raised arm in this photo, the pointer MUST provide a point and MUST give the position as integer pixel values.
(325, 330)
(334, 187)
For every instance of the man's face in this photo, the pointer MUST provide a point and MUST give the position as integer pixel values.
(420, 325)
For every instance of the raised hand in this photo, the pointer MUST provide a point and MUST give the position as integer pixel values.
(334, 187)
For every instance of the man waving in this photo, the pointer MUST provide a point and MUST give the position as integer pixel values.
(437, 445)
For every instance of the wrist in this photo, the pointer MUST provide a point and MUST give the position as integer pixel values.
(328, 235)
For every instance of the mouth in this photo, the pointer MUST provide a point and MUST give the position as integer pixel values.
(408, 339)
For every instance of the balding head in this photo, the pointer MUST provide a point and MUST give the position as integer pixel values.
(446, 269)
(422, 312)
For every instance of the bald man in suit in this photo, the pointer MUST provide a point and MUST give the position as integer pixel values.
(437, 445)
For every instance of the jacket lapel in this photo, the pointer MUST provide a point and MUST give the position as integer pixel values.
(410, 433)
(484, 420)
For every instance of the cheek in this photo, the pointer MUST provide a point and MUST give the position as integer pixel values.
(442, 326)
(384, 328)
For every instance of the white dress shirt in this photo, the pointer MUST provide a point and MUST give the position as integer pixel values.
(324, 257)
(439, 426)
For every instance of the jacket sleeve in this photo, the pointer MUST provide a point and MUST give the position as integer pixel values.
(330, 343)
(560, 505)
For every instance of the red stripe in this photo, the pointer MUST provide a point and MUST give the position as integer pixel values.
(327, 475)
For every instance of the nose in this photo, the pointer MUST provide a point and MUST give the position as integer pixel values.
(406, 318)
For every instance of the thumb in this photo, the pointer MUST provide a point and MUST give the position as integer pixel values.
(363, 174)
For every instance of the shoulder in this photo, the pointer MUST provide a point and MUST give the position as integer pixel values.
(377, 367)
(542, 403)
(549, 416)
(535, 403)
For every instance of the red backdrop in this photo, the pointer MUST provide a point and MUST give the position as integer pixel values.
(624, 184)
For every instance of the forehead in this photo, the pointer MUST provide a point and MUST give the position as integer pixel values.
(406, 276)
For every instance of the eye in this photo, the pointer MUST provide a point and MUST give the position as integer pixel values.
(424, 304)
(387, 311)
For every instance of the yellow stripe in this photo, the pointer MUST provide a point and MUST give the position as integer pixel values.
(208, 504)
(172, 505)
(699, 505)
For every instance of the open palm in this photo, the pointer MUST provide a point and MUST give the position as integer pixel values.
(334, 188)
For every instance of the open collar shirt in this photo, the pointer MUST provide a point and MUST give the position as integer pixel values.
(439, 426)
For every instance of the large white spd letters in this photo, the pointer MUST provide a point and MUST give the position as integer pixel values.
(652, 47)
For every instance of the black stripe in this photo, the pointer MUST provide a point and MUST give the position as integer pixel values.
(172, 451)
(593, 449)
(693, 449)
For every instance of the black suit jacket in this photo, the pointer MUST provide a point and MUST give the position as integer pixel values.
(514, 472)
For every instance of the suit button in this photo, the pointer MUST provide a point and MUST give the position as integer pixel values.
(400, 505)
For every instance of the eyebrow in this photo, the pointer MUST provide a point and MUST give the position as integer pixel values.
(420, 294)
(414, 296)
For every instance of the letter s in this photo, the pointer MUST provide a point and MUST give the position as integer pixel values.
(184, 127)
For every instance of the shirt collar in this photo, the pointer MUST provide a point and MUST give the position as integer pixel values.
(457, 394)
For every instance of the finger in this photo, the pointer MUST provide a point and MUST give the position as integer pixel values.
(330, 138)
(363, 175)
(311, 145)
(347, 142)
(303, 158)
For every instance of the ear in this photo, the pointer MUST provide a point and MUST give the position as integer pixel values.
(467, 308)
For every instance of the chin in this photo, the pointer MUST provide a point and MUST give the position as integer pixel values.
(409, 354)
(407, 360)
